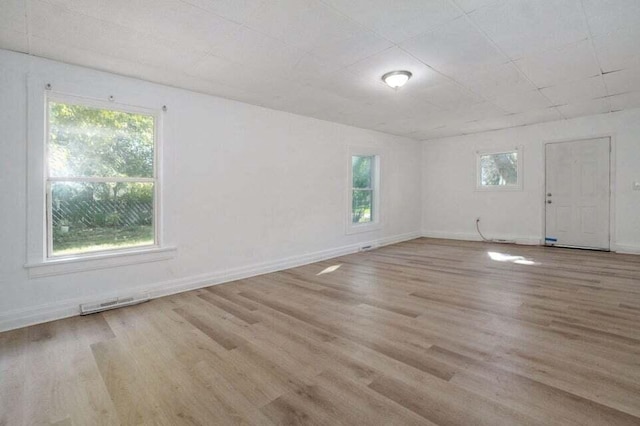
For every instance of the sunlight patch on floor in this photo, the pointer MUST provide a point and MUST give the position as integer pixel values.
(329, 269)
(502, 257)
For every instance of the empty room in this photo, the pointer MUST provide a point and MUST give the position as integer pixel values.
(320, 212)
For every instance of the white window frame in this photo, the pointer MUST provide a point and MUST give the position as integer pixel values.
(520, 170)
(376, 220)
(112, 106)
(39, 262)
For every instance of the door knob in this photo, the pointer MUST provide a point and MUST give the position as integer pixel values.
(548, 194)
(548, 201)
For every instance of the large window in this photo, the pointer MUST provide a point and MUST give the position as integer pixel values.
(499, 169)
(364, 194)
(100, 178)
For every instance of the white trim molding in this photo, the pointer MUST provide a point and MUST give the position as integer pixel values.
(463, 236)
(71, 307)
(625, 249)
(39, 259)
(100, 260)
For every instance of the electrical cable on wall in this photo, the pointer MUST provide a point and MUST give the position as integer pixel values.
(491, 240)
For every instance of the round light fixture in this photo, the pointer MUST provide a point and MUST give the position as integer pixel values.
(396, 79)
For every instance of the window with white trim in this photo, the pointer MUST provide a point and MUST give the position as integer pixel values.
(362, 191)
(364, 194)
(100, 177)
(499, 169)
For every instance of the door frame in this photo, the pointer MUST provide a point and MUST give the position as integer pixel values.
(612, 183)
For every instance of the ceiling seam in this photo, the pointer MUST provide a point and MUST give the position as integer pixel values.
(595, 52)
(27, 17)
(510, 60)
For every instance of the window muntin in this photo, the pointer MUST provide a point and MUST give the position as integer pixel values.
(100, 180)
(363, 189)
(499, 170)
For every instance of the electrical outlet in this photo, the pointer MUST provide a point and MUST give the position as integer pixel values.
(636, 186)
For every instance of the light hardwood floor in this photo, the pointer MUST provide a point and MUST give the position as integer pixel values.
(429, 332)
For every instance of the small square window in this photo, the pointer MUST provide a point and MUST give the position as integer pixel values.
(499, 169)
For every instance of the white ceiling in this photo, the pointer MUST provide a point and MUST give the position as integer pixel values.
(477, 65)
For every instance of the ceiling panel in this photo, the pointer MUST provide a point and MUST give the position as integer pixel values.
(213, 67)
(493, 80)
(534, 117)
(183, 24)
(624, 101)
(521, 102)
(524, 27)
(471, 5)
(590, 107)
(440, 132)
(345, 52)
(474, 127)
(575, 91)
(447, 95)
(13, 16)
(13, 40)
(618, 50)
(68, 54)
(623, 81)
(570, 62)
(397, 20)
(306, 24)
(352, 86)
(342, 112)
(476, 64)
(473, 112)
(256, 50)
(605, 16)
(454, 45)
(55, 24)
(234, 10)
(306, 100)
(396, 107)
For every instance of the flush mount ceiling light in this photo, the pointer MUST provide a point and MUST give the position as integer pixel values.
(396, 79)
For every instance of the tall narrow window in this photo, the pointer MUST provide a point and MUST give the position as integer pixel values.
(100, 178)
(362, 192)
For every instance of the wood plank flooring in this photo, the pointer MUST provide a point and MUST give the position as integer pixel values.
(426, 332)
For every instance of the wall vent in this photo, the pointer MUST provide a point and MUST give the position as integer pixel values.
(118, 302)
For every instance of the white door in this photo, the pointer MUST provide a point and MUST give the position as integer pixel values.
(577, 193)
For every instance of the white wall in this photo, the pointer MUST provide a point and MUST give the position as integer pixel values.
(246, 190)
(451, 204)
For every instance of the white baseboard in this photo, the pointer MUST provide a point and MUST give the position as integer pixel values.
(71, 307)
(530, 241)
(624, 249)
(618, 248)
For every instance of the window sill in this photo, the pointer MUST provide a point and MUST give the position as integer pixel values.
(70, 265)
(507, 188)
(365, 227)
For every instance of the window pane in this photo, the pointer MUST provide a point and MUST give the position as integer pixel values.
(362, 206)
(100, 216)
(92, 142)
(499, 169)
(362, 171)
